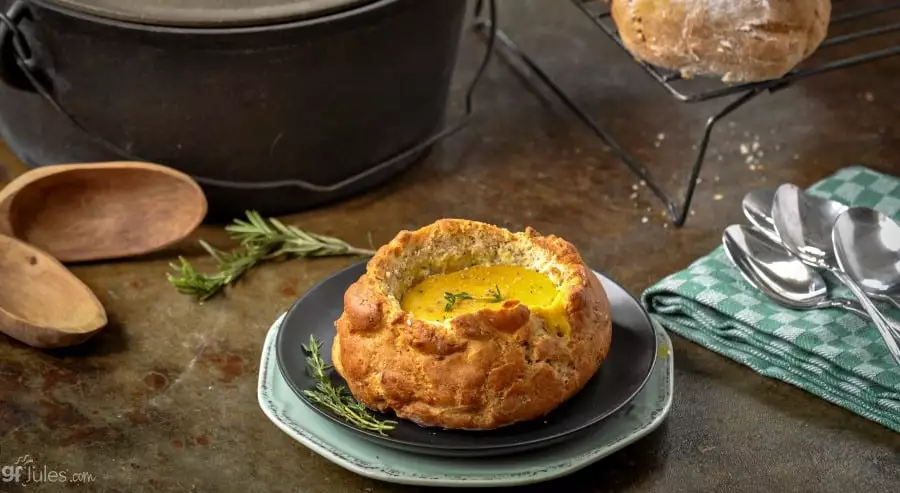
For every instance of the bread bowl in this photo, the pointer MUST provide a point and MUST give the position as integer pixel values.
(737, 40)
(477, 363)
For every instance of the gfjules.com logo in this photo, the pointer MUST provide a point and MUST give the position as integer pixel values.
(25, 470)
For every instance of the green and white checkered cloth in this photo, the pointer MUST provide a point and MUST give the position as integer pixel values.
(830, 353)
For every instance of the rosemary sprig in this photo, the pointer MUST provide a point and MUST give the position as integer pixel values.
(230, 267)
(288, 240)
(493, 296)
(260, 239)
(338, 399)
(454, 298)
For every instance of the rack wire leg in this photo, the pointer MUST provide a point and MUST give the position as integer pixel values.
(677, 213)
(680, 217)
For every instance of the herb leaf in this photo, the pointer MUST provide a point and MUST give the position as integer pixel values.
(493, 296)
(231, 266)
(338, 399)
(260, 239)
(454, 298)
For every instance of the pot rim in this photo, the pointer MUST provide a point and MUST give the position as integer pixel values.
(212, 30)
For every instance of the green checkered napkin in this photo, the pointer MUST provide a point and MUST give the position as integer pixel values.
(830, 353)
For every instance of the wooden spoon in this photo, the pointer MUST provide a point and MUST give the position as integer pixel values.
(101, 211)
(41, 303)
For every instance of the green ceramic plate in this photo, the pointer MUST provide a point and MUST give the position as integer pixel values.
(364, 457)
(624, 372)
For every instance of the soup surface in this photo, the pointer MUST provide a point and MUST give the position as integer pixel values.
(444, 296)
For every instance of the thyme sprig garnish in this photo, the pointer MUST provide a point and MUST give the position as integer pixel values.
(495, 295)
(451, 299)
(338, 399)
(260, 240)
(454, 298)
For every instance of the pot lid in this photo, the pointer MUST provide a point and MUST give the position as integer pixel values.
(208, 13)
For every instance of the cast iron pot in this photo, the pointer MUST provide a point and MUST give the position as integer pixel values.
(272, 105)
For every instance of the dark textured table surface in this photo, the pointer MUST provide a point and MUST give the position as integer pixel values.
(165, 398)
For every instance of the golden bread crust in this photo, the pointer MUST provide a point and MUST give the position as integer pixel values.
(737, 40)
(480, 370)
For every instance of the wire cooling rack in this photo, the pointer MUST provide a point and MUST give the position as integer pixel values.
(858, 33)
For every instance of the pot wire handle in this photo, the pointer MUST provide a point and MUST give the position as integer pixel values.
(26, 63)
(20, 54)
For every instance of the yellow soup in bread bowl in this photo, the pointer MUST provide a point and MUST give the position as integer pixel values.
(465, 325)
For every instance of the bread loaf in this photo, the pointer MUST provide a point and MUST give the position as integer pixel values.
(737, 40)
(488, 363)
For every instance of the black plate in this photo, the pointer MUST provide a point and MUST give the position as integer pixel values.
(623, 374)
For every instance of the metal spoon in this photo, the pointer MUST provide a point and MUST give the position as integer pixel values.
(867, 247)
(757, 207)
(805, 226)
(779, 275)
